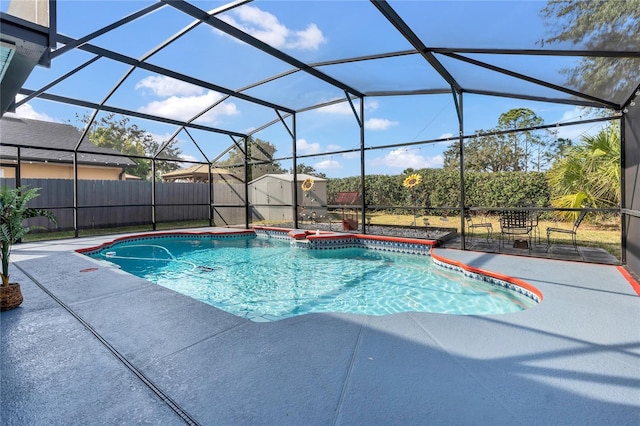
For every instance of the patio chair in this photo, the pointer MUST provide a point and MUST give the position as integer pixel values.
(515, 224)
(573, 231)
(535, 225)
(472, 226)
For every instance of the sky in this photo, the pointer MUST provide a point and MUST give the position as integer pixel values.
(311, 32)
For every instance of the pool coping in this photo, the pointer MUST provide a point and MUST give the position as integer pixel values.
(573, 359)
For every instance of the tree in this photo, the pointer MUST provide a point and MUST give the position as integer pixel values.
(488, 153)
(115, 132)
(503, 148)
(302, 168)
(260, 156)
(522, 142)
(481, 154)
(558, 150)
(597, 25)
(152, 146)
(112, 132)
(589, 174)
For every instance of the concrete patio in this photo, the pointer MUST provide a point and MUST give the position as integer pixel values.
(94, 345)
(539, 249)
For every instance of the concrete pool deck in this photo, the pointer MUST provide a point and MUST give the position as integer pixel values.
(93, 345)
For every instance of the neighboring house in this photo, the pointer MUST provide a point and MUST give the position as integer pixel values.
(271, 196)
(39, 159)
(200, 173)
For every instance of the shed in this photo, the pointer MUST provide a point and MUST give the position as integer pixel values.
(271, 197)
(349, 219)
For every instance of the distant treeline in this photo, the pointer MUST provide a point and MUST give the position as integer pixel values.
(441, 188)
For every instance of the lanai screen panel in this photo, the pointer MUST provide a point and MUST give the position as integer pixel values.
(405, 72)
(632, 188)
(218, 58)
(430, 117)
(316, 31)
(495, 27)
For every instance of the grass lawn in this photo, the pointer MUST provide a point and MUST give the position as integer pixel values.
(161, 226)
(606, 235)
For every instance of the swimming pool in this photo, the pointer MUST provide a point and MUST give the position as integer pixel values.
(269, 279)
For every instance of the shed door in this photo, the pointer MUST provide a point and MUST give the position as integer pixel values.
(276, 193)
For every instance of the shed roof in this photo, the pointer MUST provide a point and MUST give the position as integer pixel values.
(350, 197)
(288, 177)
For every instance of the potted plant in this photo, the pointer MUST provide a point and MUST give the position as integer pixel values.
(13, 212)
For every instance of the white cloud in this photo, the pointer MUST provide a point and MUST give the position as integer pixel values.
(308, 39)
(332, 147)
(436, 161)
(341, 108)
(327, 165)
(351, 155)
(371, 105)
(183, 100)
(405, 158)
(379, 124)
(266, 27)
(161, 139)
(305, 147)
(186, 107)
(345, 108)
(445, 135)
(189, 158)
(575, 133)
(27, 111)
(166, 86)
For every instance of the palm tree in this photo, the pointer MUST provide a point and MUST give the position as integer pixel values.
(589, 174)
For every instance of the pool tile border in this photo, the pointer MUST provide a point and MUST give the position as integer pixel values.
(334, 240)
(163, 235)
(327, 241)
(501, 280)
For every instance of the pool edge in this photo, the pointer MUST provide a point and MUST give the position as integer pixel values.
(334, 240)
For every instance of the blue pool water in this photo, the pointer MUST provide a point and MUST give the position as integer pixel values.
(266, 280)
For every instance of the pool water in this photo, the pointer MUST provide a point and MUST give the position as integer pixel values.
(267, 280)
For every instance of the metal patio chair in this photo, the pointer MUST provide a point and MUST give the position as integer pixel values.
(535, 225)
(573, 231)
(472, 226)
(515, 224)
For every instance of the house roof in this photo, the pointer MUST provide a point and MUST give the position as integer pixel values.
(56, 142)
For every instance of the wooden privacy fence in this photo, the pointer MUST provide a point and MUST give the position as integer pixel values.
(112, 203)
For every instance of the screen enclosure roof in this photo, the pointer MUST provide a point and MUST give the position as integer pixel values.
(183, 62)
